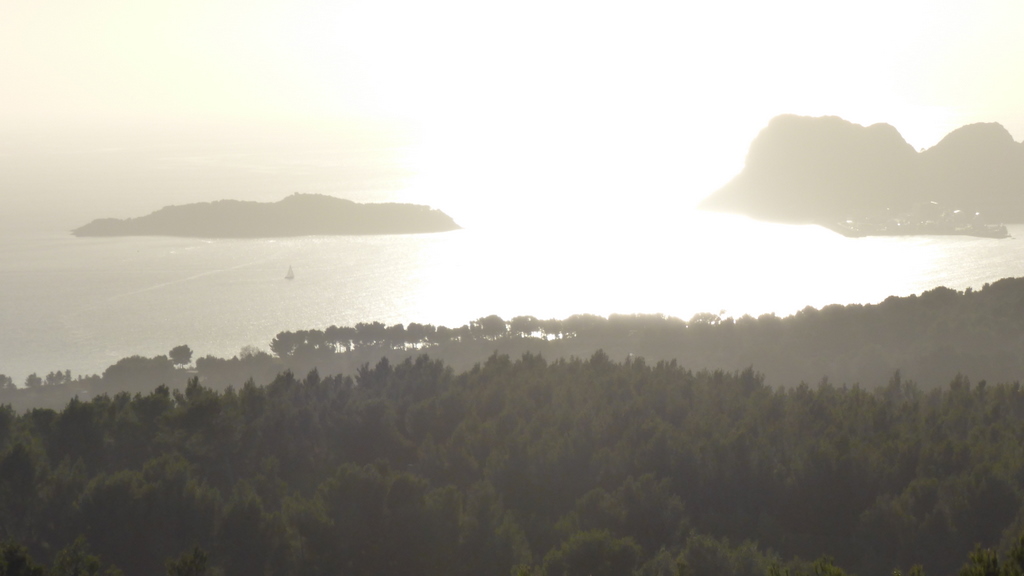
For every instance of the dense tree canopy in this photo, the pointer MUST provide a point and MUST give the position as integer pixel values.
(485, 457)
(522, 466)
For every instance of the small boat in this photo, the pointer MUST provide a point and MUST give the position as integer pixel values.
(290, 275)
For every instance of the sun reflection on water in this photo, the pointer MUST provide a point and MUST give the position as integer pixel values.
(93, 301)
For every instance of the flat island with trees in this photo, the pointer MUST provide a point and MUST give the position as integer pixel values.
(296, 215)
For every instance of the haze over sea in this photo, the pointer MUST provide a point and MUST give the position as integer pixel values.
(83, 303)
(572, 160)
(568, 236)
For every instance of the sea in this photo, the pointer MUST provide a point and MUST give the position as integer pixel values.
(81, 304)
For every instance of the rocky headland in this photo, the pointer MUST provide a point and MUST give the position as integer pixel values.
(870, 181)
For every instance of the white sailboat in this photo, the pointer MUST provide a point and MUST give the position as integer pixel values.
(290, 275)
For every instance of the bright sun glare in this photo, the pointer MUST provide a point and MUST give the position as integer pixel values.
(572, 104)
(588, 110)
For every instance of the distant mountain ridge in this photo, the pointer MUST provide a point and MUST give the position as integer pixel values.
(803, 170)
(296, 215)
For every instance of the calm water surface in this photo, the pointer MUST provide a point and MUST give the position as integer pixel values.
(83, 303)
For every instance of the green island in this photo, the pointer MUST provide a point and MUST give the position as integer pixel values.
(872, 439)
(296, 215)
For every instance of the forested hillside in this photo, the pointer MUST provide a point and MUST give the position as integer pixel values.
(526, 466)
(929, 337)
(678, 448)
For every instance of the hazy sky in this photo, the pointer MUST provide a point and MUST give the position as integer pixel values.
(466, 105)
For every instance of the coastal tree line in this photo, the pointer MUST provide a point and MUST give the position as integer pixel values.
(928, 337)
(520, 466)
